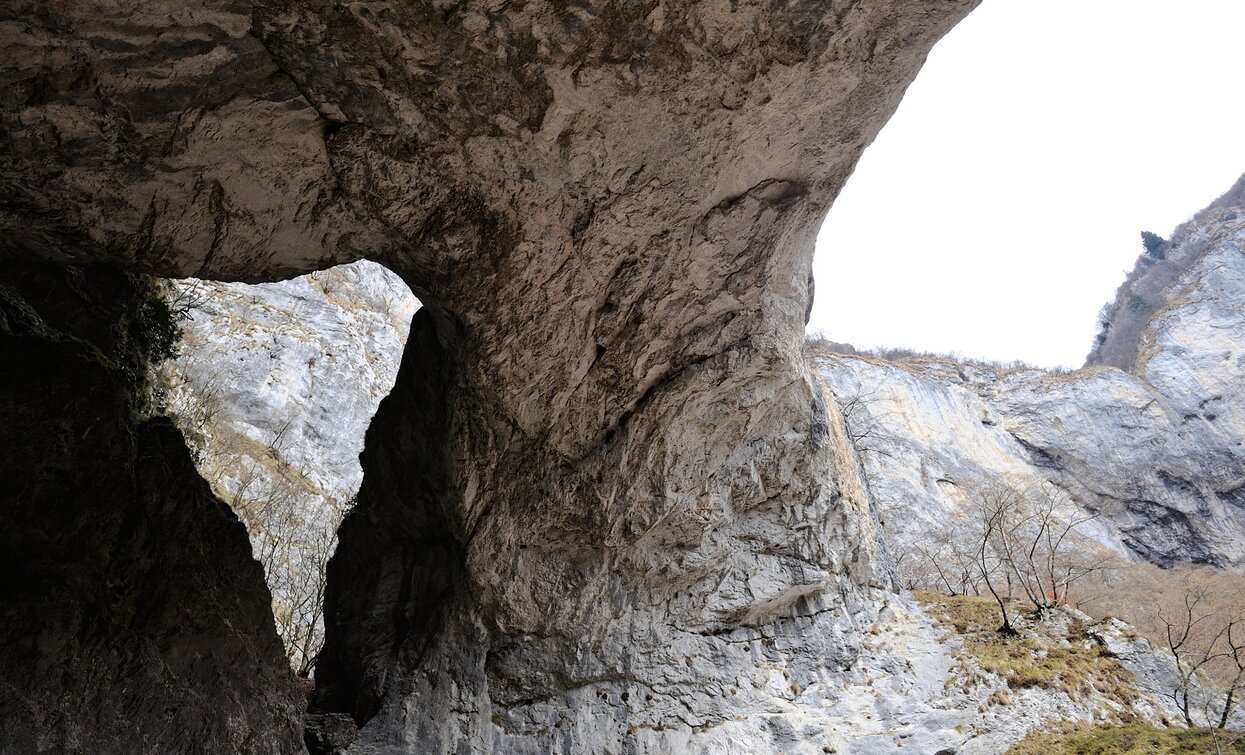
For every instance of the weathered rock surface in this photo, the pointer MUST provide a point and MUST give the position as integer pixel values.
(1124, 320)
(908, 684)
(1159, 453)
(606, 500)
(163, 137)
(274, 386)
(607, 507)
(914, 688)
(288, 373)
(133, 618)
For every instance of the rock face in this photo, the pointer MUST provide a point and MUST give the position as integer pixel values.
(1124, 320)
(1158, 453)
(606, 503)
(297, 367)
(908, 684)
(274, 386)
(163, 137)
(133, 618)
(916, 687)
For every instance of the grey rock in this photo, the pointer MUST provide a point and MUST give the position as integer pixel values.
(1157, 454)
(274, 386)
(607, 507)
(329, 733)
(297, 366)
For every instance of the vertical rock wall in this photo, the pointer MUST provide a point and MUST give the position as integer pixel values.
(133, 618)
(1157, 453)
(274, 386)
(606, 506)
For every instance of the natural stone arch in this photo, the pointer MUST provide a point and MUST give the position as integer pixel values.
(608, 212)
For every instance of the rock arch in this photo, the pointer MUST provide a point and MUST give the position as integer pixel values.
(611, 470)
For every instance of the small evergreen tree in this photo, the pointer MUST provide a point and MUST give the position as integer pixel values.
(1155, 245)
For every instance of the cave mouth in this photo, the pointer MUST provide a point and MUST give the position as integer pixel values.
(274, 386)
(1002, 204)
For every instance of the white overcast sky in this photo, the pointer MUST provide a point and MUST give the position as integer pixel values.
(1002, 205)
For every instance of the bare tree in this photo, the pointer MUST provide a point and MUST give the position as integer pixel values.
(866, 426)
(292, 527)
(993, 510)
(1036, 538)
(949, 561)
(1011, 538)
(299, 610)
(1235, 655)
(291, 523)
(1207, 643)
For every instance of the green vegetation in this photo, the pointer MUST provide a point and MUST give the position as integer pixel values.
(1072, 663)
(155, 327)
(1155, 245)
(1131, 739)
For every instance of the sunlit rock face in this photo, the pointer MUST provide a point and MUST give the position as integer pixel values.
(274, 386)
(1158, 454)
(916, 688)
(296, 368)
(1125, 324)
(1193, 350)
(607, 504)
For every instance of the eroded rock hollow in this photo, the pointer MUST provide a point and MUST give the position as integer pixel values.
(606, 507)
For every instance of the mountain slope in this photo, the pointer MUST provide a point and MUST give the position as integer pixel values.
(1155, 453)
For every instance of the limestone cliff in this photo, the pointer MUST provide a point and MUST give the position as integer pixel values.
(1157, 452)
(911, 683)
(274, 385)
(607, 506)
(296, 368)
(1123, 321)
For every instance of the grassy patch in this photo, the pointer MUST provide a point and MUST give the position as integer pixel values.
(1064, 658)
(1131, 740)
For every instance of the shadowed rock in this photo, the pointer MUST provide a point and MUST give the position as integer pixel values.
(133, 617)
(607, 507)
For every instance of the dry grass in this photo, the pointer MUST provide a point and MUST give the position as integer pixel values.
(1132, 739)
(1043, 656)
(1143, 594)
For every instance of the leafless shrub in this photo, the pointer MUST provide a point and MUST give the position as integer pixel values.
(1197, 615)
(865, 421)
(1011, 540)
(291, 526)
(818, 341)
(293, 535)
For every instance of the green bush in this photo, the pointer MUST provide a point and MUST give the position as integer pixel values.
(1155, 245)
(155, 327)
